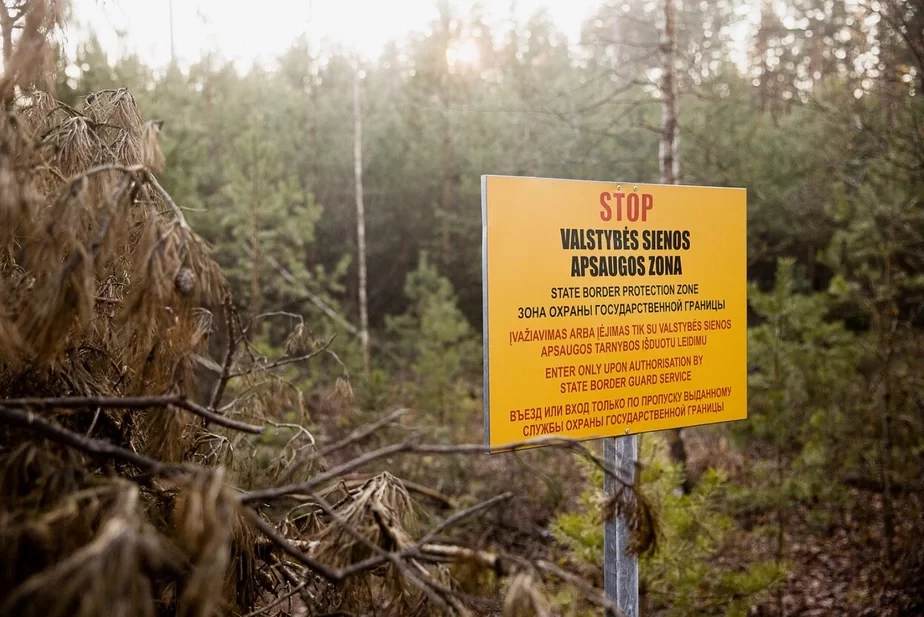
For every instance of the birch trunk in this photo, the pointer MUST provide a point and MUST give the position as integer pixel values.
(670, 171)
(360, 220)
(6, 28)
(256, 187)
(668, 149)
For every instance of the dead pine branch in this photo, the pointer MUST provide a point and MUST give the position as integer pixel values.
(412, 446)
(355, 480)
(125, 486)
(132, 402)
(362, 432)
(31, 421)
(225, 376)
(355, 436)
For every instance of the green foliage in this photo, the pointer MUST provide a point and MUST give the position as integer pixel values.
(822, 125)
(800, 391)
(876, 252)
(686, 575)
(438, 341)
(582, 530)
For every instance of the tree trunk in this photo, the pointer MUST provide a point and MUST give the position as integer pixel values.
(255, 292)
(172, 37)
(445, 94)
(360, 220)
(256, 195)
(668, 150)
(669, 175)
(6, 28)
(446, 197)
(886, 326)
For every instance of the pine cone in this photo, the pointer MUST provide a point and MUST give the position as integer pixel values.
(185, 281)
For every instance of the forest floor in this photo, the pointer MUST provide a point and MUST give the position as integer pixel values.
(836, 563)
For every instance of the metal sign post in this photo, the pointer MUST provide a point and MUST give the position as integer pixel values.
(620, 569)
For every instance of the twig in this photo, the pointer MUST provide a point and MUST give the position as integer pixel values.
(463, 514)
(62, 435)
(132, 402)
(282, 542)
(129, 170)
(278, 601)
(95, 418)
(592, 594)
(274, 314)
(410, 446)
(556, 442)
(167, 199)
(452, 552)
(229, 356)
(298, 428)
(362, 432)
(285, 361)
(356, 480)
(330, 474)
(357, 435)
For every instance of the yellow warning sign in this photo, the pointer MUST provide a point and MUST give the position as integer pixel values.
(611, 307)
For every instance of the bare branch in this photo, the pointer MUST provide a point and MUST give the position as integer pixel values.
(77, 441)
(132, 402)
(444, 501)
(412, 447)
(463, 514)
(279, 540)
(362, 432)
(285, 361)
(330, 474)
(167, 199)
(277, 601)
(229, 356)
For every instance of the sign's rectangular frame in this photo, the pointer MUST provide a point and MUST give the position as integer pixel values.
(486, 326)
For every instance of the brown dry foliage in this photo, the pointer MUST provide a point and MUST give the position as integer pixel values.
(91, 306)
(118, 509)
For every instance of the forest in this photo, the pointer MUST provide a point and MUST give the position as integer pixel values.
(241, 312)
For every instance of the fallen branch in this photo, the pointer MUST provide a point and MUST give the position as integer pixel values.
(435, 592)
